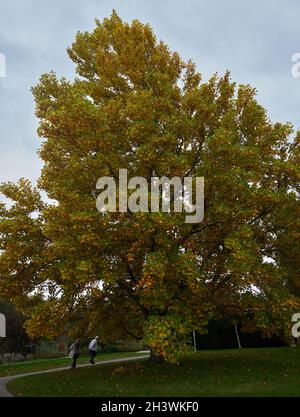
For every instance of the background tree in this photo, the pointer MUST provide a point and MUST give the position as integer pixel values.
(137, 105)
(16, 339)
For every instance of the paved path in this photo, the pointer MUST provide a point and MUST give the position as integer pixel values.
(4, 380)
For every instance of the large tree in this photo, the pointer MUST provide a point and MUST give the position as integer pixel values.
(137, 105)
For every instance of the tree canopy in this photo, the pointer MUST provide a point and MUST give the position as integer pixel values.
(136, 105)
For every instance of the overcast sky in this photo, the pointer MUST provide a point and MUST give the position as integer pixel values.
(254, 40)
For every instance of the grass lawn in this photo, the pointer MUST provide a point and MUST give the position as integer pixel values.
(245, 372)
(44, 364)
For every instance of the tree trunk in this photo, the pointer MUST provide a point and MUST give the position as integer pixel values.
(237, 335)
(155, 358)
(194, 341)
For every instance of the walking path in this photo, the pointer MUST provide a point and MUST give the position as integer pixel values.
(4, 380)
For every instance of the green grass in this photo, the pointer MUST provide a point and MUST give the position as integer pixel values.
(44, 364)
(245, 372)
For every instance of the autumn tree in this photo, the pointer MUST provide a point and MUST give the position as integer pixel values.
(137, 105)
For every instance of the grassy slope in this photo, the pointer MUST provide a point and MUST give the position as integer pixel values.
(44, 364)
(246, 372)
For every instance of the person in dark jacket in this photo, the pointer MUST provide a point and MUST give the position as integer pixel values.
(74, 353)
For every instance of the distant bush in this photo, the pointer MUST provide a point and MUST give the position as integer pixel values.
(123, 346)
(49, 350)
(220, 336)
(16, 339)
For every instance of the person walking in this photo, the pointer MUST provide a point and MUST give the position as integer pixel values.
(93, 347)
(74, 353)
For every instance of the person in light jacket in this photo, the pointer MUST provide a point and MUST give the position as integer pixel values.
(93, 347)
(74, 353)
